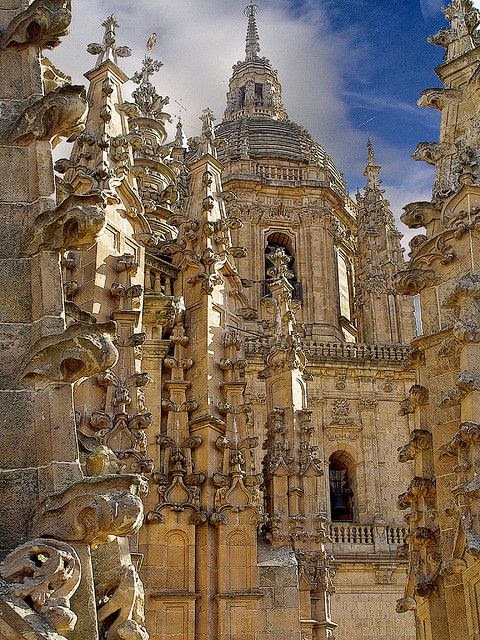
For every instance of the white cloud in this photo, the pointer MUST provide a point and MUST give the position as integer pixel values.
(200, 40)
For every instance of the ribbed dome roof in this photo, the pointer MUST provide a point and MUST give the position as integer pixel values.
(265, 137)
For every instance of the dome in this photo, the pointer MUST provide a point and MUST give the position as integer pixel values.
(260, 137)
(256, 125)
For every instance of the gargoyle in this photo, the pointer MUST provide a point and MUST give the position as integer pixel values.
(59, 114)
(41, 25)
(73, 226)
(94, 510)
(422, 214)
(80, 352)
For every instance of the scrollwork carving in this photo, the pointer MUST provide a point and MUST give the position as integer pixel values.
(120, 603)
(45, 574)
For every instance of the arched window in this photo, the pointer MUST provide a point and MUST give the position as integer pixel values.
(345, 285)
(279, 240)
(341, 475)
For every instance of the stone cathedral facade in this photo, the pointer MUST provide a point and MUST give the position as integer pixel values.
(212, 391)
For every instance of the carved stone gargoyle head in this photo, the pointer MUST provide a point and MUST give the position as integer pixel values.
(41, 25)
(420, 214)
(81, 351)
(94, 511)
(59, 114)
(75, 225)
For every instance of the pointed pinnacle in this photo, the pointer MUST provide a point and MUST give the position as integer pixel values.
(179, 137)
(253, 39)
(372, 170)
(371, 153)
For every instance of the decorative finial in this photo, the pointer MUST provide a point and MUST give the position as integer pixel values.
(179, 142)
(372, 171)
(253, 39)
(371, 153)
(146, 97)
(207, 139)
(149, 67)
(108, 50)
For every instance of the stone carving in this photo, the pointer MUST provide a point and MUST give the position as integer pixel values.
(308, 459)
(94, 511)
(431, 152)
(422, 214)
(147, 100)
(60, 114)
(238, 487)
(463, 450)
(420, 440)
(83, 350)
(45, 574)
(178, 485)
(279, 458)
(124, 432)
(41, 25)
(410, 282)
(439, 98)
(74, 225)
(460, 37)
(108, 50)
(286, 351)
(417, 397)
(316, 567)
(465, 296)
(120, 597)
(466, 382)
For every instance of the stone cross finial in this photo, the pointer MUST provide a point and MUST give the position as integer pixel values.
(253, 39)
(149, 68)
(108, 50)
(146, 97)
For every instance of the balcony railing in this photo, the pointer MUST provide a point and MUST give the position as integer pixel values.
(348, 537)
(339, 351)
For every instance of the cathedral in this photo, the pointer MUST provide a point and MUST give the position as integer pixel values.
(244, 413)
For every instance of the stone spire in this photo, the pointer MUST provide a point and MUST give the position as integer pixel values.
(253, 39)
(372, 170)
(254, 88)
(461, 37)
(380, 255)
(109, 50)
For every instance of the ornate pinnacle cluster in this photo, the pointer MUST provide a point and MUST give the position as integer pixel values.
(146, 96)
(253, 39)
(462, 35)
(108, 50)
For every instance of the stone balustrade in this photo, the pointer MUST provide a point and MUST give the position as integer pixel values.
(349, 537)
(320, 351)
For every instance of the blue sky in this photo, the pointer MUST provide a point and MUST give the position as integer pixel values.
(349, 69)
